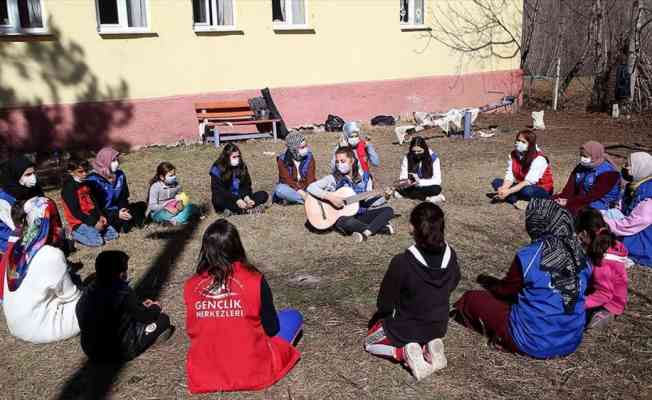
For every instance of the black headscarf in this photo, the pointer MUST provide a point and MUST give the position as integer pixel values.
(562, 256)
(13, 171)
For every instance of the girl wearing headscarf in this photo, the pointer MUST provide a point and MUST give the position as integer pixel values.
(364, 151)
(636, 226)
(38, 295)
(111, 192)
(296, 170)
(19, 184)
(595, 182)
(538, 308)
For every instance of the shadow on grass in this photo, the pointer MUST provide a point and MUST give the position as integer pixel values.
(94, 380)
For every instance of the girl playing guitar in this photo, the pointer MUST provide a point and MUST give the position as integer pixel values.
(373, 216)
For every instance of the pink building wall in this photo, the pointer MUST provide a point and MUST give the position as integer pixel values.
(138, 122)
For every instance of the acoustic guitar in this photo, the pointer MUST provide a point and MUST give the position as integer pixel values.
(322, 214)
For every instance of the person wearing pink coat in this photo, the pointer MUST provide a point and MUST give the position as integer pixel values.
(607, 291)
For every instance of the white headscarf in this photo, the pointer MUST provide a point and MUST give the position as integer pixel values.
(640, 164)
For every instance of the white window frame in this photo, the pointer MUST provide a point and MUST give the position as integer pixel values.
(122, 26)
(208, 27)
(289, 26)
(410, 24)
(14, 27)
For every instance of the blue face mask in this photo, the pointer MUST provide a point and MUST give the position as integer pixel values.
(171, 180)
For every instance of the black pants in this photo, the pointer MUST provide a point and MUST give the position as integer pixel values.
(373, 220)
(137, 211)
(138, 339)
(420, 192)
(220, 204)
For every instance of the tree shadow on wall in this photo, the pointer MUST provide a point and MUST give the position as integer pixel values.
(30, 122)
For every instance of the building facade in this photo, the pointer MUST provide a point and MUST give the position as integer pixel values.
(90, 72)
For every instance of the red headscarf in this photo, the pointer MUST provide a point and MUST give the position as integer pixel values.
(102, 162)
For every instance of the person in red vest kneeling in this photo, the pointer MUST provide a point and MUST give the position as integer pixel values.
(237, 339)
(528, 174)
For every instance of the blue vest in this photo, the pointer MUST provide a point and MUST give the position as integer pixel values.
(235, 182)
(303, 164)
(433, 158)
(640, 244)
(586, 179)
(107, 194)
(359, 187)
(538, 324)
(5, 231)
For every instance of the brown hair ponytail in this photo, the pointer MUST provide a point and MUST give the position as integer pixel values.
(598, 238)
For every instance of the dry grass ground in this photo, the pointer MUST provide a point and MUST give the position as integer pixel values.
(614, 364)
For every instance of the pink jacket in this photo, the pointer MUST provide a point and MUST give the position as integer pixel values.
(608, 285)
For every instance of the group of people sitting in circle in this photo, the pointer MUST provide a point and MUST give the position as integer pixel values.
(572, 275)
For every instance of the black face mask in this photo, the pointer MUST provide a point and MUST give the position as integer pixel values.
(419, 157)
(626, 175)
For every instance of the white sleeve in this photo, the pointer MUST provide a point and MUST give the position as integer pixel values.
(436, 175)
(404, 168)
(5, 214)
(509, 174)
(64, 289)
(537, 169)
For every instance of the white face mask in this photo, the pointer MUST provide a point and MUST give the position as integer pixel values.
(354, 141)
(171, 180)
(78, 179)
(235, 162)
(114, 166)
(28, 181)
(344, 168)
(521, 147)
(303, 152)
(585, 161)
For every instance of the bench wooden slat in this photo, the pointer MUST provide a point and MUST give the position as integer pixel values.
(223, 104)
(249, 122)
(225, 115)
(239, 136)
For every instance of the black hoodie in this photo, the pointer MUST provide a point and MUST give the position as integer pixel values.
(414, 297)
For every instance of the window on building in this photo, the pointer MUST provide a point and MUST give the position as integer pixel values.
(213, 13)
(122, 15)
(18, 16)
(412, 12)
(289, 12)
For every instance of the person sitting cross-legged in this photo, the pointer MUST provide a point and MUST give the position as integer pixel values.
(296, 170)
(116, 325)
(413, 300)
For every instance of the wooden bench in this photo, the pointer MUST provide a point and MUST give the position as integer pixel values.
(213, 114)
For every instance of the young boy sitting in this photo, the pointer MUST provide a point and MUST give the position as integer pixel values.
(115, 325)
(85, 221)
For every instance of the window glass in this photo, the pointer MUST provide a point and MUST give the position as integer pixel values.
(108, 12)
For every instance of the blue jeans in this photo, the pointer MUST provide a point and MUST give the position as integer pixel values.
(91, 237)
(285, 192)
(182, 217)
(527, 193)
(291, 323)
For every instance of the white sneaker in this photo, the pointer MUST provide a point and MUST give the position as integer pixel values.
(358, 237)
(435, 354)
(520, 205)
(413, 355)
(439, 199)
(397, 195)
(390, 228)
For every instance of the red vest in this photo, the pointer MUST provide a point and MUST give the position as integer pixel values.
(519, 172)
(229, 350)
(86, 204)
(361, 152)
